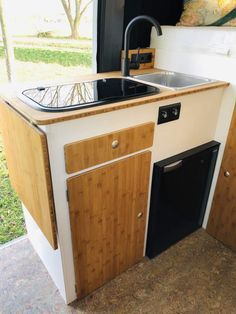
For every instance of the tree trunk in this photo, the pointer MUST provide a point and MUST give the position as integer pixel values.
(8, 46)
(75, 29)
(74, 33)
(74, 19)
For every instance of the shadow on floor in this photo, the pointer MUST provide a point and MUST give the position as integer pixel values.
(198, 275)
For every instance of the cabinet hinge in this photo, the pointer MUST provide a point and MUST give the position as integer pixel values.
(67, 196)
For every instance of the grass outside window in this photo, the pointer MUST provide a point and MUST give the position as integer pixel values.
(65, 58)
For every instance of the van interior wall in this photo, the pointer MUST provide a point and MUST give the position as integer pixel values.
(110, 17)
(114, 16)
(166, 12)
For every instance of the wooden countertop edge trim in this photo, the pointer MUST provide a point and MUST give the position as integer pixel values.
(24, 109)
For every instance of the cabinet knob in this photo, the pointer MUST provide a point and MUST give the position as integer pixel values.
(115, 144)
(140, 215)
(226, 174)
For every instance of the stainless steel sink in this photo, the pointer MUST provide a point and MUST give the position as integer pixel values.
(173, 80)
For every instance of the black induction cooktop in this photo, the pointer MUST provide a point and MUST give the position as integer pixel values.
(85, 94)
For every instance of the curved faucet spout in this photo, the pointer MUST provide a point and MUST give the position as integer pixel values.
(132, 23)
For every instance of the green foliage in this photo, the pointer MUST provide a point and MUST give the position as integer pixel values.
(11, 215)
(45, 34)
(65, 58)
(1, 52)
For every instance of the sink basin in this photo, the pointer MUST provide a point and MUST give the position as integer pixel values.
(173, 80)
(85, 94)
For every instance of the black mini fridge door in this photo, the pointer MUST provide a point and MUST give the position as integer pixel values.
(180, 189)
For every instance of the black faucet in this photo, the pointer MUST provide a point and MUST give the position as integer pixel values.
(126, 61)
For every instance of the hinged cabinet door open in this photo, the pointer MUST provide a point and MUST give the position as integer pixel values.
(29, 170)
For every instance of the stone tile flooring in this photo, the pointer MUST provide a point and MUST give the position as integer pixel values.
(198, 275)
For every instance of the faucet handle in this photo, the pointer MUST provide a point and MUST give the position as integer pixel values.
(136, 63)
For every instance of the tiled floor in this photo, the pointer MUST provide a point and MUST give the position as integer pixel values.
(198, 275)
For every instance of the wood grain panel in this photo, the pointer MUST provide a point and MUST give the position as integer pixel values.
(107, 235)
(84, 154)
(222, 219)
(29, 170)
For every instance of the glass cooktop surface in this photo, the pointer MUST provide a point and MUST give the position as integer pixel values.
(86, 94)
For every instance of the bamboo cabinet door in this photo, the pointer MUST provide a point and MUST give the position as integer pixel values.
(222, 220)
(108, 217)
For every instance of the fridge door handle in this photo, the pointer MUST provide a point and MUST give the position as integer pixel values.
(173, 166)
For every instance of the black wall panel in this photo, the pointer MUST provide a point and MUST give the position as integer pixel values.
(166, 12)
(113, 17)
(110, 34)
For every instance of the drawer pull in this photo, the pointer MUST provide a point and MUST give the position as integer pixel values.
(226, 174)
(115, 144)
(140, 215)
